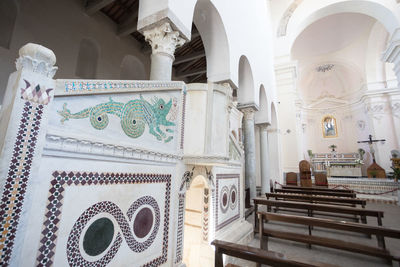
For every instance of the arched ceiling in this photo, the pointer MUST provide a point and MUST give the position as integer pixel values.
(330, 34)
(329, 81)
(330, 54)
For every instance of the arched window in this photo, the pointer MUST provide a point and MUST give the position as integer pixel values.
(8, 16)
(87, 59)
(132, 69)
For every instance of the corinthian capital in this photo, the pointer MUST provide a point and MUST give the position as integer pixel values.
(37, 58)
(163, 39)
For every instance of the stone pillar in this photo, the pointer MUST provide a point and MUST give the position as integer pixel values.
(249, 148)
(163, 41)
(265, 168)
(22, 132)
(392, 53)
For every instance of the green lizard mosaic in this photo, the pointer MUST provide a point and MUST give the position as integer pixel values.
(134, 116)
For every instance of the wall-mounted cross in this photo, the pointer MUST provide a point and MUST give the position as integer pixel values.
(370, 141)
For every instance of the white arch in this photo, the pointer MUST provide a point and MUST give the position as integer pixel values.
(245, 94)
(8, 16)
(86, 66)
(132, 69)
(213, 34)
(384, 11)
(375, 67)
(262, 115)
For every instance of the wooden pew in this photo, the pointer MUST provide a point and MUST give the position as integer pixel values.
(316, 192)
(380, 233)
(316, 188)
(317, 199)
(258, 255)
(311, 208)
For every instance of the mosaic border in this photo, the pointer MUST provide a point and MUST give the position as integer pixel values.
(15, 186)
(179, 235)
(235, 217)
(55, 202)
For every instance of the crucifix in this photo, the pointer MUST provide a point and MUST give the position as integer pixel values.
(370, 142)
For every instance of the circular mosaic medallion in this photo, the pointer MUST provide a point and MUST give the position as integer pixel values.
(98, 236)
(145, 215)
(223, 203)
(143, 222)
(233, 197)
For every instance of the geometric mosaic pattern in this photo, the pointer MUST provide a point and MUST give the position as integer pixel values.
(220, 199)
(179, 235)
(73, 253)
(183, 118)
(17, 177)
(205, 214)
(54, 209)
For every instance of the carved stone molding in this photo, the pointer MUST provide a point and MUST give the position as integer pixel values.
(163, 39)
(67, 144)
(37, 58)
(286, 17)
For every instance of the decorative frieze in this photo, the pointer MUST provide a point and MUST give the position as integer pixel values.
(78, 87)
(59, 143)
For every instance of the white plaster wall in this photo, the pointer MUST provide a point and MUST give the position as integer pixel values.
(60, 25)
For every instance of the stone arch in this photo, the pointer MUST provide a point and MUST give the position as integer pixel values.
(132, 69)
(263, 115)
(310, 11)
(375, 67)
(86, 66)
(213, 34)
(245, 93)
(8, 17)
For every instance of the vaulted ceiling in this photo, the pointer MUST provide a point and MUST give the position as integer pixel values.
(190, 61)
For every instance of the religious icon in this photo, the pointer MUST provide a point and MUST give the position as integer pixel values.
(329, 127)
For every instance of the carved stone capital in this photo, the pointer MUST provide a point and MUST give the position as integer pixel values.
(163, 39)
(37, 58)
(263, 126)
(248, 110)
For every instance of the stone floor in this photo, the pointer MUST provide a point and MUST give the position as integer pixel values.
(300, 252)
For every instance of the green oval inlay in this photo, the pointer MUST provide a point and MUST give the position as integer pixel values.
(98, 236)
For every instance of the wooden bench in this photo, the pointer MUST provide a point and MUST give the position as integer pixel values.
(316, 192)
(316, 188)
(311, 208)
(380, 233)
(258, 255)
(318, 199)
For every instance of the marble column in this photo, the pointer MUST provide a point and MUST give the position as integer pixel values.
(163, 41)
(392, 53)
(23, 128)
(249, 149)
(264, 162)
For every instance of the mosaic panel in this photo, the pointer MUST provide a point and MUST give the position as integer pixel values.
(227, 204)
(137, 214)
(134, 116)
(18, 174)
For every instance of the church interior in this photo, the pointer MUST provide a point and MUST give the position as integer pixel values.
(200, 133)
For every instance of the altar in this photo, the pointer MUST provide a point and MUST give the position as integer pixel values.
(337, 164)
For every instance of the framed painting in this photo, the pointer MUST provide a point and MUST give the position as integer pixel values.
(329, 127)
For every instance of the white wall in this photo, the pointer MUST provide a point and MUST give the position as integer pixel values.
(60, 25)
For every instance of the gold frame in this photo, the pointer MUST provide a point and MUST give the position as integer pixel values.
(323, 127)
